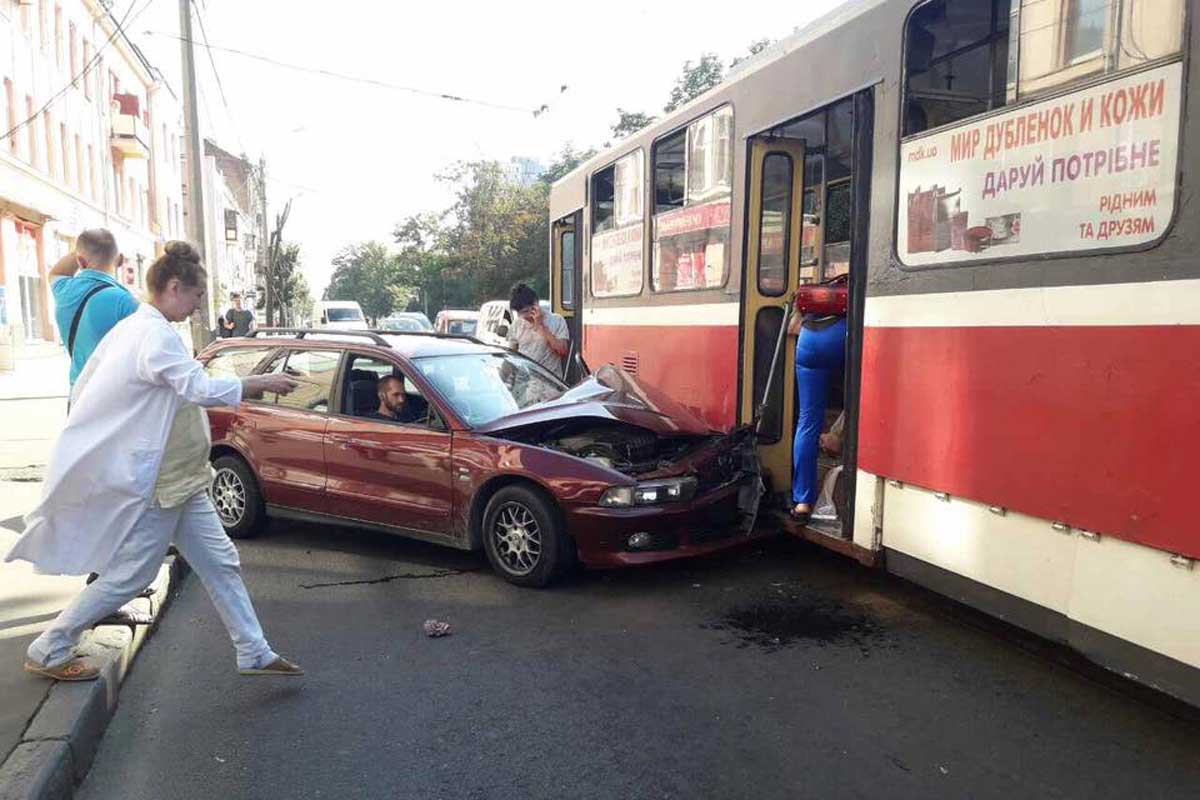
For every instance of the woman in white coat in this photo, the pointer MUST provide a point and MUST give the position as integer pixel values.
(128, 477)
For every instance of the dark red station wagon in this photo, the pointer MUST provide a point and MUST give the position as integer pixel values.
(493, 452)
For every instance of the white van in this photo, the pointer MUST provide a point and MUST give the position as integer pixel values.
(342, 315)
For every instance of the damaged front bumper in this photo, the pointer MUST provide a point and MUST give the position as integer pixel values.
(721, 514)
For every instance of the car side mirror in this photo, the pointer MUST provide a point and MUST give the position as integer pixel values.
(502, 331)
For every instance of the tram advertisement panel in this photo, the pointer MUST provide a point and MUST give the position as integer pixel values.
(689, 247)
(617, 262)
(1088, 170)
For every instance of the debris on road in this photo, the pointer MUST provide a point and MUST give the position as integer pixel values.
(435, 628)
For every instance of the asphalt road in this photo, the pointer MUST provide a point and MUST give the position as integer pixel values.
(778, 671)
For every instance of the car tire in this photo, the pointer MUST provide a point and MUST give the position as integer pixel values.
(524, 537)
(236, 497)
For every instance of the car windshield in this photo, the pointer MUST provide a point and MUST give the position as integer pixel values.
(463, 327)
(344, 314)
(482, 387)
(422, 322)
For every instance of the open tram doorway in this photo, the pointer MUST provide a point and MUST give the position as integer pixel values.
(806, 223)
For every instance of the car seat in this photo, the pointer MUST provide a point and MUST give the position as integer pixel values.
(364, 392)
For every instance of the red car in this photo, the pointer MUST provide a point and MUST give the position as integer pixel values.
(491, 451)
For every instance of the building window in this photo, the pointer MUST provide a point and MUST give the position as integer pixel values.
(79, 165)
(26, 23)
(693, 171)
(10, 97)
(73, 40)
(51, 150)
(58, 36)
(43, 26)
(31, 130)
(64, 148)
(87, 75)
(91, 168)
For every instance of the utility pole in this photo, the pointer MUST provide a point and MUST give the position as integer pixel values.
(195, 171)
(264, 243)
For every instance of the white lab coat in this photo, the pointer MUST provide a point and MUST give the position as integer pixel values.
(104, 467)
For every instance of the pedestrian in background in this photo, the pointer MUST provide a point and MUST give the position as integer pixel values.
(237, 321)
(536, 334)
(88, 299)
(129, 476)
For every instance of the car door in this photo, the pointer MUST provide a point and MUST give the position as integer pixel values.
(284, 434)
(389, 473)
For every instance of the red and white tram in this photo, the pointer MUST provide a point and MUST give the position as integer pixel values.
(1007, 184)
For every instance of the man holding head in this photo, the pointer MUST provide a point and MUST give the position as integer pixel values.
(88, 299)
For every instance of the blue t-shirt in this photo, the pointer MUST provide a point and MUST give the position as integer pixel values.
(103, 311)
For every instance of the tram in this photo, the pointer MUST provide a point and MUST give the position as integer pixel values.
(1006, 185)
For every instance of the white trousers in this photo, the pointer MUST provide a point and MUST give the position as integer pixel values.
(196, 532)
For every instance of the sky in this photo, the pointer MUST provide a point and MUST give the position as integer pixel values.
(356, 159)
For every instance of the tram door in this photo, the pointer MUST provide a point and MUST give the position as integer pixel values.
(565, 280)
(773, 236)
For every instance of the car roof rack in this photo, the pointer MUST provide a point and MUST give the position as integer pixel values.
(374, 334)
(300, 333)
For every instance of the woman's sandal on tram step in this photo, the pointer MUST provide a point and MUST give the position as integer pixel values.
(73, 670)
(280, 667)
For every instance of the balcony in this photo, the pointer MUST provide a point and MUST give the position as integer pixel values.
(129, 136)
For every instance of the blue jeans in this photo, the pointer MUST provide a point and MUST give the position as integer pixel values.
(818, 355)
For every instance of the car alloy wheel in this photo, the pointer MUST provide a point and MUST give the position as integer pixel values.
(517, 538)
(228, 497)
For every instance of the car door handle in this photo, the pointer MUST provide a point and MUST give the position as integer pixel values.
(350, 443)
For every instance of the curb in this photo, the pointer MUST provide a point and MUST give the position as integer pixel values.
(58, 745)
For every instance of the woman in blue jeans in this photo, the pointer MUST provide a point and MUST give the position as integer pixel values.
(820, 353)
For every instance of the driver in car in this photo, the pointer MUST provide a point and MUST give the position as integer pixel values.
(393, 406)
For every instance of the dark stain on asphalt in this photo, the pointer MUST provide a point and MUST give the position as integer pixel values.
(403, 576)
(774, 623)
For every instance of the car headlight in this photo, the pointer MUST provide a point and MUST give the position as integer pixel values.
(652, 493)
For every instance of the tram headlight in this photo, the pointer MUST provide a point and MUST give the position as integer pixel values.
(651, 493)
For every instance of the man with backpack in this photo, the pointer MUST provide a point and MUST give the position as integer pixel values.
(88, 299)
(89, 302)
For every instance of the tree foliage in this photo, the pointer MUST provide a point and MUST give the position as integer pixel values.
(568, 159)
(364, 272)
(756, 47)
(629, 122)
(695, 79)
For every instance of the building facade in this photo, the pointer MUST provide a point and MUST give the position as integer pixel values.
(91, 138)
(233, 227)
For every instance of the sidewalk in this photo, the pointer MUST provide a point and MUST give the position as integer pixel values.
(49, 732)
(33, 407)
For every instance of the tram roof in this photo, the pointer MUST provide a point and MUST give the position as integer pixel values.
(814, 30)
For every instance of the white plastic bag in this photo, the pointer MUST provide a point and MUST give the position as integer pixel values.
(825, 510)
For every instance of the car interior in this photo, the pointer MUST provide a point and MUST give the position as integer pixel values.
(360, 396)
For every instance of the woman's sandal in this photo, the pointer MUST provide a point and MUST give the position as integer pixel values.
(799, 516)
(73, 670)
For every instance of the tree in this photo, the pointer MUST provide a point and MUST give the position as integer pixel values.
(756, 47)
(629, 122)
(695, 80)
(365, 273)
(568, 159)
(293, 301)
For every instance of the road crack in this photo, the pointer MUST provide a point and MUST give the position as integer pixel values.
(445, 573)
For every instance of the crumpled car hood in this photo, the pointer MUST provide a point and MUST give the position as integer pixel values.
(610, 394)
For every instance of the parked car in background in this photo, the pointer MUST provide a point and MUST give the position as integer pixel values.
(411, 316)
(401, 325)
(496, 454)
(458, 321)
(345, 315)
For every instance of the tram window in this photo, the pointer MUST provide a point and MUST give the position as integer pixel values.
(691, 227)
(566, 248)
(965, 57)
(775, 223)
(837, 230)
(669, 172)
(840, 137)
(603, 217)
(952, 52)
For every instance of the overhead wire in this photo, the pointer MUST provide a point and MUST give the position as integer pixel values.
(216, 74)
(536, 112)
(129, 17)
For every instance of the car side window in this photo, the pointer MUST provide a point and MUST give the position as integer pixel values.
(236, 363)
(314, 370)
(361, 398)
